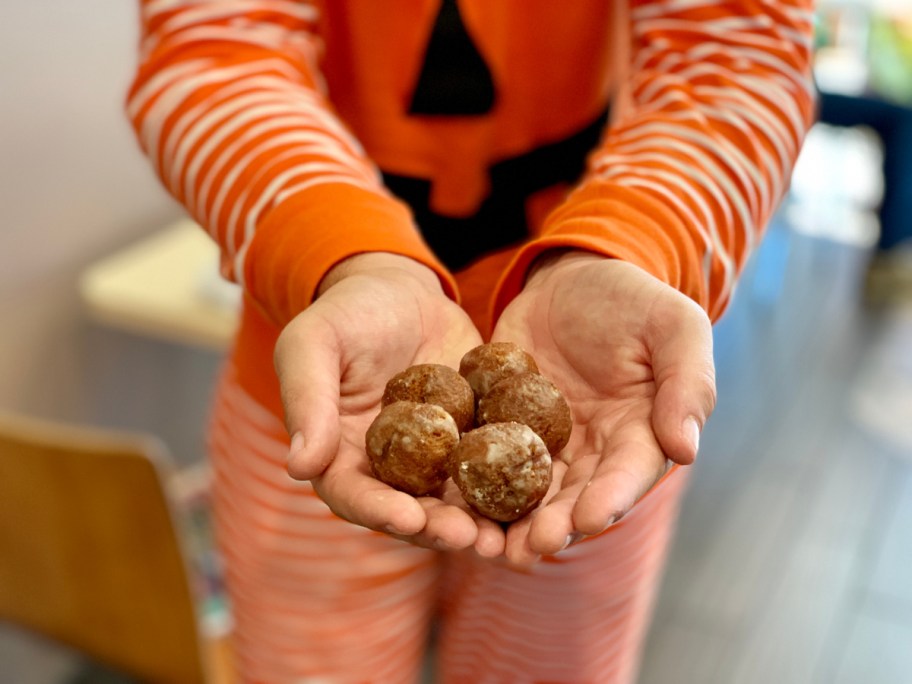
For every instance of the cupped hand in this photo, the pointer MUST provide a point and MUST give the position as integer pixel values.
(376, 314)
(633, 357)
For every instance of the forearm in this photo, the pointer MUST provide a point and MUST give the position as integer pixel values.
(228, 105)
(686, 179)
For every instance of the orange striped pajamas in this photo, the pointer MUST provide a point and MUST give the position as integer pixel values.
(301, 133)
(317, 599)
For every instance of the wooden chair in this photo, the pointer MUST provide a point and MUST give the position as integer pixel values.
(91, 552)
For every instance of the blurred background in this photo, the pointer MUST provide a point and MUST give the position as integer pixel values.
(793, 561)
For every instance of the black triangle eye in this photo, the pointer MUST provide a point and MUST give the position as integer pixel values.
(454, 78)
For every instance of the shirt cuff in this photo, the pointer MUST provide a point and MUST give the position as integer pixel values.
(302, 238)
(615, 222)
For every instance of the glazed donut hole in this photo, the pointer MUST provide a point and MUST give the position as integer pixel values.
(426, 430)
(487, 364)
(431, 383)
(532, 400)
(409, 444)
(503, 470)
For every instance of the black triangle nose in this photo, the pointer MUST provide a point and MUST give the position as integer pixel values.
(454, 79)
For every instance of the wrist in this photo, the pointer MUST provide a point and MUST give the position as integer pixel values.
(380, 264)
(560, 261)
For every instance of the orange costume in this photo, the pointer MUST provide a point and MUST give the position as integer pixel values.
(292, 130)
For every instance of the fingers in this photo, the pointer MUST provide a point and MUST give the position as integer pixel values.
(550, 516)
(553, 524)
(307, 364)
(594, 492)
(627, 470)
(356, 496)
(685, 382)
(448, 528)
(517, 550)
(490, 540)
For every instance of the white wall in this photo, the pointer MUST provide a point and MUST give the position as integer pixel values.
(73, 187)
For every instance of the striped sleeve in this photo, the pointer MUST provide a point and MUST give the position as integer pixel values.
(229, 106)
(683, 183)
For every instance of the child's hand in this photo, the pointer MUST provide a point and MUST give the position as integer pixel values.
(376, 315)
(633, 357)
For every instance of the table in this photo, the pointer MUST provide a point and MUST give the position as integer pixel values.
(167, 287)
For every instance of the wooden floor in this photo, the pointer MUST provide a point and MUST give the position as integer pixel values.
(793, 560)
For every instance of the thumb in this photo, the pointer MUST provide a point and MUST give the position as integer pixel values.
(307, 363)
(685, 382)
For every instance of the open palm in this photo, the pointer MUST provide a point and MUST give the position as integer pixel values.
(333, 362)
(634, 359)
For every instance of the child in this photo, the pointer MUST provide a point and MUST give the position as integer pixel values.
(391, 184)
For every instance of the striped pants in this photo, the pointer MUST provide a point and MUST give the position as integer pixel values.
(318, 600)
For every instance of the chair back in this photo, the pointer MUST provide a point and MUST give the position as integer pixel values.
(89, 551)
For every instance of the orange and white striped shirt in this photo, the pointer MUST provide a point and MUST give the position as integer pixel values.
(268, 119)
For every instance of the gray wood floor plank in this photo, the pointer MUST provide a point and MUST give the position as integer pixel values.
(892, 572)
(773, 536)
(851, 488)
(789, 634)
(681, 653)
(879, 651)
(881, 396)
(793, 629)
(744, 559)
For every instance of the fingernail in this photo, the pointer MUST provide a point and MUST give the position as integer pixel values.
(297, 443)
(692, 432)
(611, 521)
(392, 529)
(572, 539)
